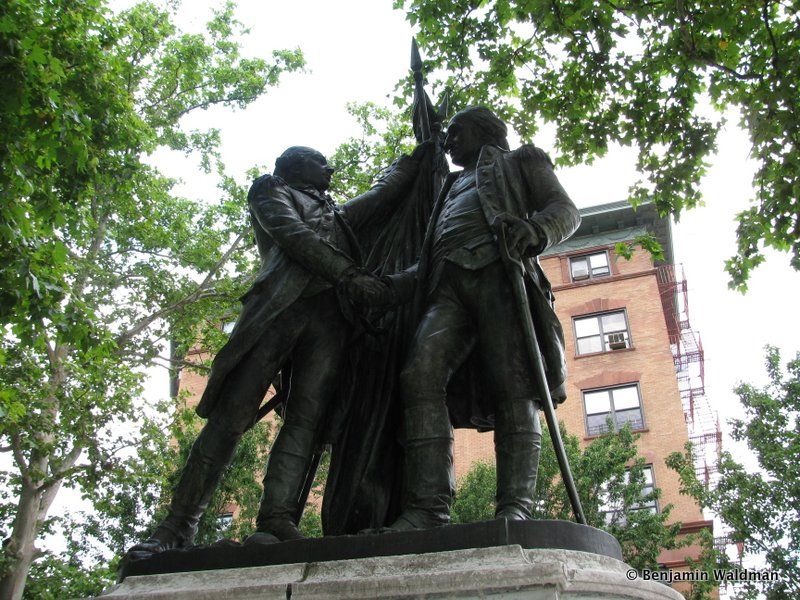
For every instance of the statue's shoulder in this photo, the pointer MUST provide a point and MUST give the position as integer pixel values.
(266, 184)
(532, 154)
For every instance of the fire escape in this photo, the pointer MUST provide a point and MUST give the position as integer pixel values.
(687, 353)
(702, 422)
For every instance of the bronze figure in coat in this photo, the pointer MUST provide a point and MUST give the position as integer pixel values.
(292, 315)
(468, 364)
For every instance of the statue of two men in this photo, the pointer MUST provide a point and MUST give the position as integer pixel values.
(467, 365)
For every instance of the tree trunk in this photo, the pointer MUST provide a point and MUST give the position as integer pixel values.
(20, 549)
(34, 500)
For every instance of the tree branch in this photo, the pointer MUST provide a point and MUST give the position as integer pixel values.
(19, 458)
(174, 363)
(230, 98)
(125, 251)
(200, 292)
(209, 103)
(71, 470)
(165, 97)
(775, 54)
(66, 463)
(94, 248)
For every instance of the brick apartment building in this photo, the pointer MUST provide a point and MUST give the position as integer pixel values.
(632, 354)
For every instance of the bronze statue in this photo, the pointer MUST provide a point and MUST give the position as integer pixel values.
(295, 319)
(468, 365)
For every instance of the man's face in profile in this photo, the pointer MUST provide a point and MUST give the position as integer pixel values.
(463, 142)
(314, 170)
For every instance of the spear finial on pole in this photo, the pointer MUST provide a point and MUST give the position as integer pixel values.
(416, 59)
(420, 99)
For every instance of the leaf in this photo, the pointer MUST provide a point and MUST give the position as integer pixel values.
(60, 252)
(38, 55)
(34, 283)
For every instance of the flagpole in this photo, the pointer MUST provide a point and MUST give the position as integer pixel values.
(421, 99)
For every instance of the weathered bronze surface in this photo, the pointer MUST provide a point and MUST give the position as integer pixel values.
(499, 532)
(441, 270)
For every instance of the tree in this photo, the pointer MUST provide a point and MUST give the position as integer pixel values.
(611, 485)
(761, 508)
(127, 506)
(101, 259)
(638, 73)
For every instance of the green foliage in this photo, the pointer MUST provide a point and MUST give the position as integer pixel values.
(131, 501)
(54, 578)
(761, 508)
(101, 260)
(311, 522)
(707, 561)
(638, 74)
(385, 135)
(475, 498)
(609, 473)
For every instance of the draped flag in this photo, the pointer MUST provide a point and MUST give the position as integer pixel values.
(364, 486)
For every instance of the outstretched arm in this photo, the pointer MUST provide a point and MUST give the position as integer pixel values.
(382, 199)
(272, 206)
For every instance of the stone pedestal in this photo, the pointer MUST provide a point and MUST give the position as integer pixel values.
(534, 560)
(508, 572)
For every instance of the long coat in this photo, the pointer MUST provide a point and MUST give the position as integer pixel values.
(292, 227)
(521, 183)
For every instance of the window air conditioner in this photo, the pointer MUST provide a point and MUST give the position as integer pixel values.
(617, 341)
(579, 273)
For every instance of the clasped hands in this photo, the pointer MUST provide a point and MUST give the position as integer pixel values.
(367, 289)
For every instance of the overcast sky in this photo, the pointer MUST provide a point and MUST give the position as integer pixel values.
(358, 49)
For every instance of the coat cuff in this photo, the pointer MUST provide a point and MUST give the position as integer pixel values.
(540, 233)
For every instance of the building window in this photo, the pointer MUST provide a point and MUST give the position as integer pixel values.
(602, 333)
(614, 510)
(224, 521)
(589, 266)
(620, 404)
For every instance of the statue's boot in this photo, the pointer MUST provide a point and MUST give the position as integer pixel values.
(517, 441)
(429, 479)
(211, 453)
(287, 468)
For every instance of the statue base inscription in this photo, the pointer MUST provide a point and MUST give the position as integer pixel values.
(510, 572)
